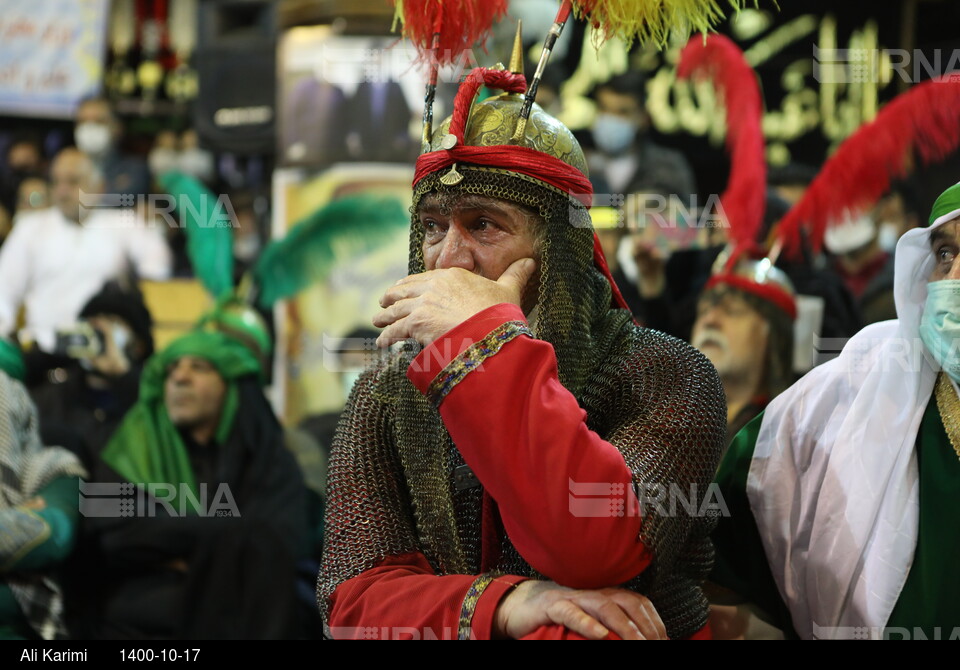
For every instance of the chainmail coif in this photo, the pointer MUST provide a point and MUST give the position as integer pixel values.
(656, 399)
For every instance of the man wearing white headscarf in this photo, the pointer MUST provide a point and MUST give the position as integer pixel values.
(841, 494)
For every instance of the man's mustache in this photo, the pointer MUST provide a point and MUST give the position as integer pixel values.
(710, 336)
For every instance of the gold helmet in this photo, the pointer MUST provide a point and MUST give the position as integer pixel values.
(506, 145)
(493, 122)
(508, 131)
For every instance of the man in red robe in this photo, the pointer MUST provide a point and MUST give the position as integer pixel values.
(529, 463)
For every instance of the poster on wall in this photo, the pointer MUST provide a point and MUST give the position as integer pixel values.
(353, 98)
(51, 55)
(310, 328)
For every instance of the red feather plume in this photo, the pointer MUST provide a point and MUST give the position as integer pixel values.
(744, 199)
(460, 23)
(924, 121)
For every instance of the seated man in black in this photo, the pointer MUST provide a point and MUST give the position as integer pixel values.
(206, 541)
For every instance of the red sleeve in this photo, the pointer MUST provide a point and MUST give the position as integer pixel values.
(403, 599)
(526, 439)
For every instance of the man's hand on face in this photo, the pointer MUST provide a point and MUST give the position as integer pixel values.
(425, 306)
(592, 614)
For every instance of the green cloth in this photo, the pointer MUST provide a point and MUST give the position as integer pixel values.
(929, 604)
(233, 317)
(61, 515)
(147, 447)
(741, 563)
(13, 625)
(11, 360)
(208, 227)
(949, 201)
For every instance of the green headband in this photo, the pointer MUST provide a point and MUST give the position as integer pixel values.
(231, 359)
(946, 206)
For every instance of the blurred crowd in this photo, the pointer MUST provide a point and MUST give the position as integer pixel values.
(81, 371)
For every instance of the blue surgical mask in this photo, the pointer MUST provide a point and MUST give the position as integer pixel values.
(613, 134)
(940, 325)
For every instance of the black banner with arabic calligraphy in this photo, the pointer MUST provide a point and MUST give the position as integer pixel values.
(826, 67)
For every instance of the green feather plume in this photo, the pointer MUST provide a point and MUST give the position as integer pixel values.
(346, 227)
(209, 230)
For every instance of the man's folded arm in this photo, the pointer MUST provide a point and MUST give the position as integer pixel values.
(565, 494)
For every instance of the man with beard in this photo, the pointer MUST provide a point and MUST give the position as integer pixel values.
(745, 328)
(217, 519)
(483, 479)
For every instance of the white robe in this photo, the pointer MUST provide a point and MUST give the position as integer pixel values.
(833, 484)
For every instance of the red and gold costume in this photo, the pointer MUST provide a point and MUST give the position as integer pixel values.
(511, 449)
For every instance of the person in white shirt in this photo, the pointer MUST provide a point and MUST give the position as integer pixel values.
(55, 259)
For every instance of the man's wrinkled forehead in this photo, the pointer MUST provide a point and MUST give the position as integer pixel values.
(447, 203)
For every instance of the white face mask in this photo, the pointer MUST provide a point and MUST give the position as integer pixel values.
(887, 235)
(121, 337)
(613, 134)
(162, 160)
(246, 247)
(92, 138)
(197, 163)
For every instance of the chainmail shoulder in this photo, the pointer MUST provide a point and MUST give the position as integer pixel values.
(368, 509)
(661, 403)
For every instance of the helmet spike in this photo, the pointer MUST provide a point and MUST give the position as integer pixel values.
(516, 58)
(555, 30)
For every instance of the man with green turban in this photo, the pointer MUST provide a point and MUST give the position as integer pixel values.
(206, 545)
(841, 493)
